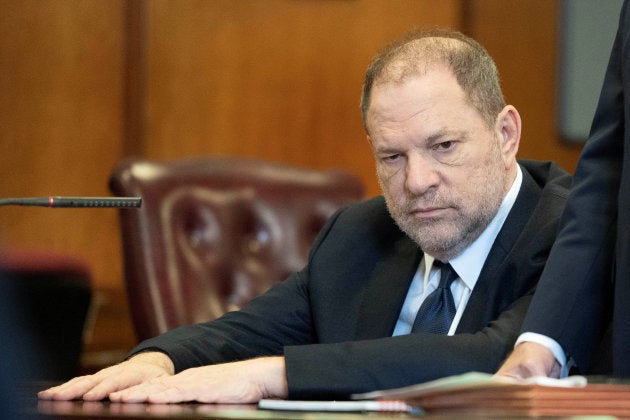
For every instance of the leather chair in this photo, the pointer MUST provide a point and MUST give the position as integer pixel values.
(215, 232)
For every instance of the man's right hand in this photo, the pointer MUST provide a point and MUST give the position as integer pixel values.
(138, 369)
(528, 360)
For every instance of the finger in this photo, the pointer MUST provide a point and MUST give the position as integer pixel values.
(109, 385)
(139, 393)
(72, 389)
(91, 388)
(159, 391)
(120, 379)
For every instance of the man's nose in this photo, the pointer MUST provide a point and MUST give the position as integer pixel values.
(421, 175)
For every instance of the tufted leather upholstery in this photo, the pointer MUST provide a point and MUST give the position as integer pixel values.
(215, 232)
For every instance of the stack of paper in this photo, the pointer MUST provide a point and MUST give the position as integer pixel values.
(477, 393)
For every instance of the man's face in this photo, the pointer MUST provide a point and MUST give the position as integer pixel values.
(440, 167)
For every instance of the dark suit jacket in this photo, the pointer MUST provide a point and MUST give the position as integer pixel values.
(334, 319)
(574, 299)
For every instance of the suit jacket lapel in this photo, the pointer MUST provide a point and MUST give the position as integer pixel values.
(487, 294)
(386, 289)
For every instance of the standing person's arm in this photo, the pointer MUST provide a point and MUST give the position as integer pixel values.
(573, 300)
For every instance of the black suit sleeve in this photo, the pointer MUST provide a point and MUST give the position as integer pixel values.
(336, 370)
(573, 303)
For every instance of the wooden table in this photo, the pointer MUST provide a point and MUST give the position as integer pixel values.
(29, 405)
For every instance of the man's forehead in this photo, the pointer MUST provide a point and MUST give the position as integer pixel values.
(417, 57)
(438, 81)
(398, 101)
(400, 72)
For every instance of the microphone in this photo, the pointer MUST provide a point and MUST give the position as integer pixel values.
(56, 201)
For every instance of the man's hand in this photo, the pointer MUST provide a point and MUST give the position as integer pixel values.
(238, 382)
(530, 359)
(138, 369)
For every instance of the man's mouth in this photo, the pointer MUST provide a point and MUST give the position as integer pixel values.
(429, 211)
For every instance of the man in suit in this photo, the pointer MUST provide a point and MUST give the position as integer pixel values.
(587, 278)
(445, 147)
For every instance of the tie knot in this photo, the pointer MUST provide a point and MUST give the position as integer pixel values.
(447, 274)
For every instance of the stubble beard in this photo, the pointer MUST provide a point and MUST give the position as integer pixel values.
(445, 237)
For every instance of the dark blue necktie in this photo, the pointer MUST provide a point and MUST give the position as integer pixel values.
(438, 309)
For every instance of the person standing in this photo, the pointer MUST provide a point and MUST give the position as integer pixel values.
(587, 277)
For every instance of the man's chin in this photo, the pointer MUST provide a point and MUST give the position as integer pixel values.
(431, 241)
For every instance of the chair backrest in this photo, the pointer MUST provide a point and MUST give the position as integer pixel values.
(215, 232)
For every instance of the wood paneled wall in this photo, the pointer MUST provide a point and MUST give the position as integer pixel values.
(274, 79)
(87, 82)
(522, 36)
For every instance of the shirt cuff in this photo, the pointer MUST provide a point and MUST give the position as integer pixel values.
(550, 344)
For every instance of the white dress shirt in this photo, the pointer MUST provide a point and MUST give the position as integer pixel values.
(468, 265)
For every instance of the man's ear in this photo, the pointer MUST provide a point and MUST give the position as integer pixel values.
(508, 127)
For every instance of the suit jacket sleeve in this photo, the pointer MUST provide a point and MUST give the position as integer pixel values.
(572, 303)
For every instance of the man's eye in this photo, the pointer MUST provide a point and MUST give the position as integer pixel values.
(445, 145)
(391, 158)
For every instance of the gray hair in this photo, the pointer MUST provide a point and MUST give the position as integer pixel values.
(417, 52)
